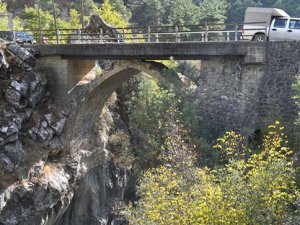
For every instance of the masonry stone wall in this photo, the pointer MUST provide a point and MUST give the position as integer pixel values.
(233, 95)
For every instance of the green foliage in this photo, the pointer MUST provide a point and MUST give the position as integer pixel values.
(259, 189)
(155, 12)
(87, 6)
(74, 20)
(158, 100)
(237, 8)
(212, 11)
(183, 12)
(30, 19)
(112, 17)
(120, 148)
(17, 25)
(149, 12)
(291, 6)
(47, 5)
(119, 6)
(152, 121)
(3, 21)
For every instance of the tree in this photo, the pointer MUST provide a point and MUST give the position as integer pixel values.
(183, 12)
(212, 11)
(17, 25)
(147, 12)
(109, 15)
(47, 6)
(237, 8)
(290, 6)
(30, 19)
(74, 19)
(151, 122)
(118, 5)
(4, 20)
(259, 189)
(87, 6)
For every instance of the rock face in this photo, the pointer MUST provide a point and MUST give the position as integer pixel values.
(45, 179)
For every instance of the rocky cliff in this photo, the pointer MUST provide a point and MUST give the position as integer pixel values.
(40, 183)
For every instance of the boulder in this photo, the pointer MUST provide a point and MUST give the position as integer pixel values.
(20, 86)
(13, 97)
(36, 97)
(14, 152)
(6, 163)
(8, 129)
(22, 53)
(56, 145)
(44, 132)
(58, 125)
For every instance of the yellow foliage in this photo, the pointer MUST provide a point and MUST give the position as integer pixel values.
(109, 15)
(255, 190)
(74, 20)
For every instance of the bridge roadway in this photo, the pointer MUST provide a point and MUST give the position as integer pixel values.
(253, 52)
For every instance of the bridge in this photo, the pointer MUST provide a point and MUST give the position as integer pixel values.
(241, 82)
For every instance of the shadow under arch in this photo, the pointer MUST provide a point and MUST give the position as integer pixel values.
(92, 92)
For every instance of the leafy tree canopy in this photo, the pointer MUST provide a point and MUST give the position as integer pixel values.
(255, 189)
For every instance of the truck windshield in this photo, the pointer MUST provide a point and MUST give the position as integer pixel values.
(280, 23)
(294, 24)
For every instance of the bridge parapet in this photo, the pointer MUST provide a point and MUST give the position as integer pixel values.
(253, 52)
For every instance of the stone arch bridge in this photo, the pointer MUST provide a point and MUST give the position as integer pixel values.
(244, 85)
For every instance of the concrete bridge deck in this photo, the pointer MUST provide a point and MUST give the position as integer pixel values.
(254, 52)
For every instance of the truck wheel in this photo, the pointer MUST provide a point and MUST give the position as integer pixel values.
(259, 37)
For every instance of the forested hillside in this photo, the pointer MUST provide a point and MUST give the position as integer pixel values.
(166, 11)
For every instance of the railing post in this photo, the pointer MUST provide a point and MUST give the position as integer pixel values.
(176, 33)
(236, 32)
(79, 32)
(57, 36)
(40, 36)
(118, 38)
(149, 34)
(156, 38)
(14, 33)
(228, 36)
(123, 30)
(101, 35)
(206, 31)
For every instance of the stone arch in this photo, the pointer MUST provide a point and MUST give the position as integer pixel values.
(90, 93)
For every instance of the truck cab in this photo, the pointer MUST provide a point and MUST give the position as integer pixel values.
(284, 28)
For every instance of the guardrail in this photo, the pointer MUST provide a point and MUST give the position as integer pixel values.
(158, 34)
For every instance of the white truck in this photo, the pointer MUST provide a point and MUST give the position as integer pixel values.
(271, 24)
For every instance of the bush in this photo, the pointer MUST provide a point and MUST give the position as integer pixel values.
(258, 189)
